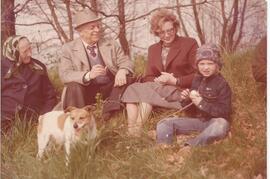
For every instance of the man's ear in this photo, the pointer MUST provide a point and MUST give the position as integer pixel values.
(69, 108)
(89, 108)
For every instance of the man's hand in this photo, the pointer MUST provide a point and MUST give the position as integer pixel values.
(195, 97)
(166, 78)
(185, 94)
(121, 77)
(97, 70)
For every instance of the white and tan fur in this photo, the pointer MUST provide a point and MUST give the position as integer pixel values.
(65, 128)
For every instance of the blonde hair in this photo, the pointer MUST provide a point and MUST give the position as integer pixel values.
(160, 17)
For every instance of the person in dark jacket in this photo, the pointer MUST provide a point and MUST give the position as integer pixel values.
(170, 67)
(25, 87)
(260, 60)
(211, 95)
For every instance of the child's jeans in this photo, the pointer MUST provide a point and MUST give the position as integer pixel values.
(213, 129)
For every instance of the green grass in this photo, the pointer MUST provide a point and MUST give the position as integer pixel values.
(54, 77)
(114, 155)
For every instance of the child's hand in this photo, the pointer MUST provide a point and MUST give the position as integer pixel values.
(195, 97)
(185, 94)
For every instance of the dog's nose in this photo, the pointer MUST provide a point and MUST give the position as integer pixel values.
(75, 125)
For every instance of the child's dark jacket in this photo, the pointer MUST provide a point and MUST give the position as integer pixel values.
(216, 94)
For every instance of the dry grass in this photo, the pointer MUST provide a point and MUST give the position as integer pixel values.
(114, 155)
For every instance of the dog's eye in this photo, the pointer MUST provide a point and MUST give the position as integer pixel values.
(72, 118)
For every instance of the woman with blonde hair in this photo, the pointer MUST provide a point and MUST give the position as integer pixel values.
(170, 67)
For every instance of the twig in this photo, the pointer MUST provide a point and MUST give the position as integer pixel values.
(180, 110)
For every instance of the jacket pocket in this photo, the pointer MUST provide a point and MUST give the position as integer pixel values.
(209, 94)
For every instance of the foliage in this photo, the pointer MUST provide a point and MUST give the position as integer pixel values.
(139, 63)
(54, 78)
(115, 155)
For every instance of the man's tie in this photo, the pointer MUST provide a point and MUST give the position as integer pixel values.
(92, 50)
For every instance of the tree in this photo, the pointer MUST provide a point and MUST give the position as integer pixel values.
(207, 20)
(197, 22)
(234, 22)
(122, 31)
(7, 19)
(182, 24)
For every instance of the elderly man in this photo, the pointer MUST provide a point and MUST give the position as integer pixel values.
(25, 86)
(91, 64)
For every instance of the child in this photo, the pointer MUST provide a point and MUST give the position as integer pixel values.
(211, 95)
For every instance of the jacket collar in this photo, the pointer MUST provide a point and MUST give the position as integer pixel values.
(105, 50)
(174, 51)
(80, 51)
(157, 48)
(104, 47)
(208, 78)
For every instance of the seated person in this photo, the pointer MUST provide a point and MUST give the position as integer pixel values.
(211, 95)
(259, 62)
(170, 67)
(91, 64)
(25, 86)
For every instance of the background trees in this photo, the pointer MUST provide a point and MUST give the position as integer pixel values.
(7, 19)
(234, 24)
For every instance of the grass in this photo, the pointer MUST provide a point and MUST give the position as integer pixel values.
(115, 155)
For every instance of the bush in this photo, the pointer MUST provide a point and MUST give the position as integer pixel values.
(55, 79)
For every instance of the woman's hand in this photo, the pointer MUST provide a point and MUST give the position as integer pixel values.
(166, 78)
(185, 94)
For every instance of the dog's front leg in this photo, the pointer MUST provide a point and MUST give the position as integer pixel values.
(43, 141)
(67, 150)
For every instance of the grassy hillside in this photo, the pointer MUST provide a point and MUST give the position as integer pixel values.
(114, 155)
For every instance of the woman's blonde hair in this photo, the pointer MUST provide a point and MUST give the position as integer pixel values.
(160, 17)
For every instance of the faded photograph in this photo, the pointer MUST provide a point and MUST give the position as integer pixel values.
(134, 89)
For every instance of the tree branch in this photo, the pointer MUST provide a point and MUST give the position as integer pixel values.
(181, 19)
(69, 15)
(97, 11)
(233, 26)
(50, 22)
(23, 6)
(55, 19)
(197, 23)
(141, 16)
(241, 26)
(31, 24)
(168, 7)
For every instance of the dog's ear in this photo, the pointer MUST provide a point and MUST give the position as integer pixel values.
(89, 108)
(69, 108)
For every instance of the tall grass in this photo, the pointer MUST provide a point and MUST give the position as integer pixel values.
(55, 79)
(115, 155)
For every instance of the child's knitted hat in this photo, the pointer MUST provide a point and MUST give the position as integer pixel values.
(209, 52)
